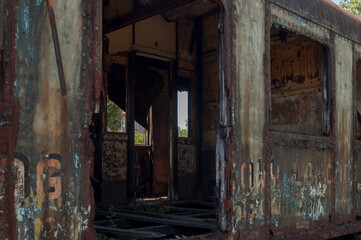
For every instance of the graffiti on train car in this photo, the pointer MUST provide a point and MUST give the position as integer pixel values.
(48, 191)
(305, 189)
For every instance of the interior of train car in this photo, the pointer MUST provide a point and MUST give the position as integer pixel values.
(155, 135)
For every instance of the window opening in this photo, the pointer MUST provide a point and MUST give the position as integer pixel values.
(298, 84)
(183, 116)
(141, 134)
(115, 118)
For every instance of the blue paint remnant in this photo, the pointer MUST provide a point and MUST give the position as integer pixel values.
(38, 2)
(298, 18)
(5, 123)
(26, 18)
(76, 160)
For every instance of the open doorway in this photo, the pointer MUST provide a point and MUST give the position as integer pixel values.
(157, 150)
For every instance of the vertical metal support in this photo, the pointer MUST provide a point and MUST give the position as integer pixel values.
(199, 94)
(326, 92)
(173, 156)
(130, 114)
(224, 130)
(54, 32)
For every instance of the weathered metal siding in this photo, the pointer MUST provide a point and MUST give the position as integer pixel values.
(8, 119)
(301, 173)
(343, 125)
(301, 181)
(309, 180)
(54, 151)
(357, 145)
(248, 115)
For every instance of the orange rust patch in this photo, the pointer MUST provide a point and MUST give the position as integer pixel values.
(228, 204)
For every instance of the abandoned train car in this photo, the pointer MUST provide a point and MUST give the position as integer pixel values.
(272, 93)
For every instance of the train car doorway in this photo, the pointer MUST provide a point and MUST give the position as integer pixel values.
(156, 131)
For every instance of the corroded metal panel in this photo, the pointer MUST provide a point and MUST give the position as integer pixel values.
(306, 117)
(358, 51)
(301, 181)
(357, 171)
(296, 84)
(115, 8)
(248, 114)
(343, 126)
(357, 144)
(186, 158)
(210, 33)
(53, 129)
(209, 101)
(114, 167)
(186, 59)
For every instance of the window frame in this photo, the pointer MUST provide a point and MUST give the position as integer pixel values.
(325, 78)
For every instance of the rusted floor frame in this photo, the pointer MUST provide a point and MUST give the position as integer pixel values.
(188, 216)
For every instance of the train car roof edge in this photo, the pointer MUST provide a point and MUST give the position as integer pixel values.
(327, 14)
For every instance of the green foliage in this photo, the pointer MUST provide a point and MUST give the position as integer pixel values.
(352, 5)
(111, 217)
(183, 132)
(163, 209)
(115, 118)
(357, 236)
(139, 138)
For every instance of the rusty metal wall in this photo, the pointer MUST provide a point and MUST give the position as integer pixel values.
(53, 153)
(248, 115)
(301, 181)
(284, 184)
(343, 125)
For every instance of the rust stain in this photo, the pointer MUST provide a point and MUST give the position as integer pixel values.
(228, 204)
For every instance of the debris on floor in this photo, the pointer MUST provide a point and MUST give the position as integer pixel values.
(156, 219)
